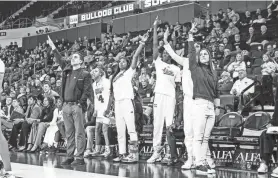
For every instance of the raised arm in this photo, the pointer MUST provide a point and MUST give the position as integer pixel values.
(171, 52)
(138, 51)
(191, 48)
(2, 72)
(56, 53)
(155, 39)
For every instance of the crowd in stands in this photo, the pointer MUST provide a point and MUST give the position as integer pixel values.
(242, 46)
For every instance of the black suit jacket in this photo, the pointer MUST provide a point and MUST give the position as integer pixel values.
(83, 87)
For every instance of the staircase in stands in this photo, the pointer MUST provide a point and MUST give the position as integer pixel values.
(20, 11)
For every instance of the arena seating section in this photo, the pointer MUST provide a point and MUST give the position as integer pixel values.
(242, 130)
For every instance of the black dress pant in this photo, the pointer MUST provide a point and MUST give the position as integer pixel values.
(23, 139)
(267, 143)
(14, 134)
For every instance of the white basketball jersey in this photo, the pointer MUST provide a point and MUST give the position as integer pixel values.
(101, 93)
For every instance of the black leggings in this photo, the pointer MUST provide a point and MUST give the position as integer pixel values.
(267, 143)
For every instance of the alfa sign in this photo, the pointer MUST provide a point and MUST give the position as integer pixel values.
(107, 12)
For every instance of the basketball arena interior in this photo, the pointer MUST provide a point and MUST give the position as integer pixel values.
(83, 94)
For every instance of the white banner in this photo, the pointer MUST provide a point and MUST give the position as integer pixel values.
(73, 19)
(107, 12)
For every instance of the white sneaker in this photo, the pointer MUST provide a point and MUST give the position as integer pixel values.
(166, 159)
(188, 165)
(211, 163)
(154, 158)
(8, 174)
(131, 158)
(87, 153)
(107, 152)
(275, 172)
(263, 168)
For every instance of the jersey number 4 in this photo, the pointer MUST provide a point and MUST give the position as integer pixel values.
(101, 99)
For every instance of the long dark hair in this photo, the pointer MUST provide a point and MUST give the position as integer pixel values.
(211, 67)
(117, 71)
(50, 101)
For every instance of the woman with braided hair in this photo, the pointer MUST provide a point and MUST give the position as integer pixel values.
(123, 94)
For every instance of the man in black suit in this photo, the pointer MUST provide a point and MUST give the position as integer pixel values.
(8, 109)
(75, 90)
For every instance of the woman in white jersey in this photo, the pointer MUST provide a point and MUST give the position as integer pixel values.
(165, 96)
(124, 110)
(4, 150)
(187, 86)
(101, 88)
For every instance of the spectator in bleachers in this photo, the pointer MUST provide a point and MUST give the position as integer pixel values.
(145, 89)
(271, 15)
(225, 83)
(236, 21)
(238, 44)
(6, 122)
(220, 13)
(268, 70)
(38, 128)
(226, 60)
(48, 92)
(239, 86)
(220, 53)
(231, 30)
(247, 20)
(23, 125)
(144, 75)
(227, 44)
(270, 51)
(259, 20)
(258, 12)
(251, 36)
(247, 58)
(76, 46)
(268, 67)
(235, 66)
(262, 38)
(90, 127)
(22, 97)
(36, 89)
(52, 129)
(224, 21)
(230, 13)
(275, 58)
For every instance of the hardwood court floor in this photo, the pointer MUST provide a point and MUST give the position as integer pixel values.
(28, 165)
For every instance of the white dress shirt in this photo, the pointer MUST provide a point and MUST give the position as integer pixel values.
(240, 85)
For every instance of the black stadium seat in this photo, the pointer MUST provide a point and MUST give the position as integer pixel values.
(229, 125)
(255, 124)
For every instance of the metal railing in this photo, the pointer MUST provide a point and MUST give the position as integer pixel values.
(253, 97)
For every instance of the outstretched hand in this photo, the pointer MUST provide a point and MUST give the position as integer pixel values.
(50, 42)
(156, 22)
(193, 27)
(166, 34)
(145, 36)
